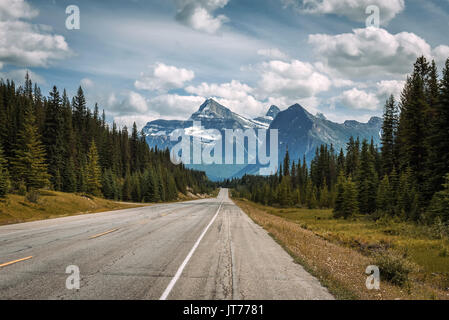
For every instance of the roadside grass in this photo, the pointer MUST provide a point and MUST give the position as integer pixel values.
(337, 252)
(50, 204)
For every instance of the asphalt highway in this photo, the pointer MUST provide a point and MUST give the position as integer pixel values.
(199, 250)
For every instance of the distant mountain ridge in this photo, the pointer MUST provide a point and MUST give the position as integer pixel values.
(299, 131)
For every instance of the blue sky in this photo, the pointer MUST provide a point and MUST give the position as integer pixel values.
(147, 59)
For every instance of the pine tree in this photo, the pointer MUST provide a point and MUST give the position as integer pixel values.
(367, 181)
(126, 189)
(28, 164)
(54, 138)
(4, 175)
(93, 171)
(438, 141)
(286, 166)
(412, 127)
(389, 129)
(439, 207)
(340, 198)
(350, 204)
(385, 200)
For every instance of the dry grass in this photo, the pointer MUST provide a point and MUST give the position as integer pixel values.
(334, 255)
(16, 209)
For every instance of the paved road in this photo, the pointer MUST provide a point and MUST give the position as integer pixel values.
(205, 249)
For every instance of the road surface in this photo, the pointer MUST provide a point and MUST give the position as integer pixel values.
(197, 250)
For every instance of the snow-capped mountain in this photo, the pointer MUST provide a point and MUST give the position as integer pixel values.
(299, 131)
(269, 117)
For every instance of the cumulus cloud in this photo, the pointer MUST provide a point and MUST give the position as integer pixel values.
(359, 100)
(295, 79)
(199, 14)
(163, 78)
(132, 104)
(25, 44)
(273, 53)
(354, 10)
(386, 88)
(441, 54)
(369, 97)
(232, 90)
(18, 76)
(371, 51)
(16, 9)
(174, 106)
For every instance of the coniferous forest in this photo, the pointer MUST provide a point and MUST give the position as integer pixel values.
(406, 177)
(60, 144)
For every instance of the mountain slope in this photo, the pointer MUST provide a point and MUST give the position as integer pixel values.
(299, 131)
(302, 132)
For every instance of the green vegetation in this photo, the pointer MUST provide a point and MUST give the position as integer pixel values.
(54, 144)
(52, 204)
(412, 258)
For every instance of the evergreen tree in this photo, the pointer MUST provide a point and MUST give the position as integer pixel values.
(93, 171)
(54, 139)
(385, 200)
(367, 181)
(4, 175)
(340, 198)
(438, 141)
(389, 129)
(439, 207)
(28, 164)
(350, 204)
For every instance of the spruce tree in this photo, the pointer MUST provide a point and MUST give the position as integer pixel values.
(54, 138)
(389, 128)
(438, 141)
(350, 204)
(367, 181)
(340, 198)
(384, 200)
(439, 207)
(93, 171)
(28, 164)
(4, 175)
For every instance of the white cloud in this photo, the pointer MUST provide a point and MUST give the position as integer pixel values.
(370, 52)
(25, 44)
(16, 9)
(87, 83)
(232, 90)
(359, 100)
(441, 54)
(198, 14)
(132, 104)
(18, 76)
(369, 96)
(352, 9)
(295, 79)
(164, 78)
(386, 88)
(235, 95)
(273, 53)
(173, 106)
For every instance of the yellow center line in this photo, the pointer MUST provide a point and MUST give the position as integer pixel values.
(103, 234)
(13, 262)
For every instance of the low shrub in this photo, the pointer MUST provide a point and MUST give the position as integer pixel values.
(394, 268)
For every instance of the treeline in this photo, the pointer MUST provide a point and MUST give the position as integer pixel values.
(60, 144)
(407, 177)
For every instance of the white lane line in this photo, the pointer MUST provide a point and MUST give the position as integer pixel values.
(184, 264)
